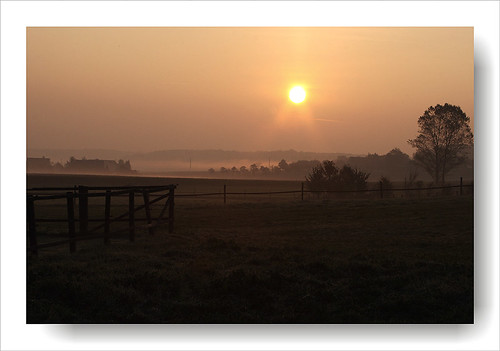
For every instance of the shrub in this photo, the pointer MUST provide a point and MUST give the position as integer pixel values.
(327, 177)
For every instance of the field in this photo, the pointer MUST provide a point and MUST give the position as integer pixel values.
(267, 259)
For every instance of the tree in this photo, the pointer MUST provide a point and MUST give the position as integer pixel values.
(352, 178)
(264, 170)
(323, 177)
(243, 170)
(283, 165)
(396, 155)
(444, 135)
(327, 177)
(254, 169)
(71, 162)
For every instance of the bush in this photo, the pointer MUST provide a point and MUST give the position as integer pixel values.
(327, 177)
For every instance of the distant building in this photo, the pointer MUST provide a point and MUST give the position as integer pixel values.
(99, 166)
(38, 164)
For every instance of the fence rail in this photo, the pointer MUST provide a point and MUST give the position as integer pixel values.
(81, 194)
(381, 190)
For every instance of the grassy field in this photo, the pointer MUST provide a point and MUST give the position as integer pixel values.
(269, 260)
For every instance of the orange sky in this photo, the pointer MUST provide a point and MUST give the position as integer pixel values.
(146, 89)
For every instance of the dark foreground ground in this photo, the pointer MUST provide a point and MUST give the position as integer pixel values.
(314, 261)
(263, 259)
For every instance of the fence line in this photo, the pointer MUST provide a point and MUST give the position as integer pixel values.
(302, 191)
(81, 193)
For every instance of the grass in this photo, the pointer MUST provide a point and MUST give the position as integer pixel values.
(271, 261)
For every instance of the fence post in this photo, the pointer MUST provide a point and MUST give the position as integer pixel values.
(224, 194)
(71, 221)
(302, 192)
(32, 225)
(381, 190)
(83, 209)
(131, 209)
(107, 215)
(171, 209)
(461, 192)
(145, 195)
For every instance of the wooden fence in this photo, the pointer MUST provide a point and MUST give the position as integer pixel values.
(79, 197)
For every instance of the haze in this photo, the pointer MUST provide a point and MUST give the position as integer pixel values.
(146, 89)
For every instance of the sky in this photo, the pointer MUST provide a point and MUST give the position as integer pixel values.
(143, 89)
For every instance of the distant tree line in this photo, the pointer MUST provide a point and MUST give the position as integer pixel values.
(395, 165)
(84, 165)
(294, 170)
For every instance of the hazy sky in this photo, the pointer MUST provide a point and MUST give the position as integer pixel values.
(146, 89)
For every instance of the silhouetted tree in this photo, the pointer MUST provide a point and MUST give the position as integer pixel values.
(264, 170)
(396, 156)
(327, 177)
(352, 178)
(444, 135)
(276, 170)
(254, 168)
(70, 162)
(316, 180)
(283, 165)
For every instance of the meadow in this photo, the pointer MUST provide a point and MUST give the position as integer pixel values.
(266, 259)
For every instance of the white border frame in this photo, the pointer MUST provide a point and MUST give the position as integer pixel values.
(16, 16)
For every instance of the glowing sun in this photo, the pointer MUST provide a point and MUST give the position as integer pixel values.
(297, 94)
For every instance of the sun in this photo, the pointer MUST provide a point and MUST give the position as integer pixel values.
(297, 94)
